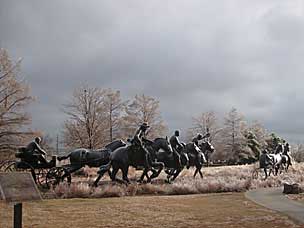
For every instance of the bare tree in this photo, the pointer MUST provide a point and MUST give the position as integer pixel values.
(86, 123)
(204, 123)
(143, 109)
(114, 107)
(14, 97)
(297, 152)
(233, 139)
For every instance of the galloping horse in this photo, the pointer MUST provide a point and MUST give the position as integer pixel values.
(280, 160)
(133, 155)
(206, 149)
(156, 147)
(267, 161)
(92, 158)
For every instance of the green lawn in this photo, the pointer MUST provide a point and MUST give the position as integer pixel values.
(207, 210)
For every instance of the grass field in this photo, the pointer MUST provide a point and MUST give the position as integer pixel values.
(207, 210)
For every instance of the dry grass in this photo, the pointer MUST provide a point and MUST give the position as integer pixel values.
(216, 180)
(209, 210)
(297, 197)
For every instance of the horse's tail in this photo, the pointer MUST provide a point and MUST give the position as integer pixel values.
(63, 157)
(105, 168)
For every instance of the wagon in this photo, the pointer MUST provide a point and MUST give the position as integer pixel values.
(44, 175)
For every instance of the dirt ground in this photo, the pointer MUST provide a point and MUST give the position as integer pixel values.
(207, 210)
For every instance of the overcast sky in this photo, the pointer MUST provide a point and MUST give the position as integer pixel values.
(193, 56)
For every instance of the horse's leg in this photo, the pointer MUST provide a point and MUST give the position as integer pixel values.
(125, 170)
(143, 175)
(287, 166)
(99, 177)
(68, 172)
(115, 169)
(270, 171)
(160, 167)
(200, 172)
(265, 171)
(177, 172)
(170, 173)
(195, 172)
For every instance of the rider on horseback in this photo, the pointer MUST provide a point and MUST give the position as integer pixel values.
(196, 140)
(34, 152)
(177, 147)
(140, 137)
(199, 137)
(286, 152)
(265, 159)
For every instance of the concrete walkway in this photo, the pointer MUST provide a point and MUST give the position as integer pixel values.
(274, 199)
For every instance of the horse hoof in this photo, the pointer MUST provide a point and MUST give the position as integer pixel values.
(168, 181)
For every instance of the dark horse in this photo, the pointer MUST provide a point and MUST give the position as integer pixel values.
(206, 148)
(136, 156)
(196, 157)
(160, 147)
(92, 158)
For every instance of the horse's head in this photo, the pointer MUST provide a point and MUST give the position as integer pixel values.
(207, 146)
(163, 144)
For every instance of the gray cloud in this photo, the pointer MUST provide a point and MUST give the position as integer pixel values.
(193, 56)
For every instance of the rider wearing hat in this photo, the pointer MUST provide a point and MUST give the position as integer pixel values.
(141, 133)
(286, 152)
(138, 138)
(35, 152)
(265, 159)
(199, 137)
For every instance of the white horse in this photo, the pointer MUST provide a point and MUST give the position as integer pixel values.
(280, 162)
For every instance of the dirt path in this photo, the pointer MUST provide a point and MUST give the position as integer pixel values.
(274, 199)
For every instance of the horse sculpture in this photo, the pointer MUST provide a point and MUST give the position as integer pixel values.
(197, 156)
(206, 149)
(281, 161)
(274, 162)
(92, 158)
(190, 152)
(132, 155)
(266, 162)
(156, 147)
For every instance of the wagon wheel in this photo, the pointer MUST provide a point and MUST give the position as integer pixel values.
(41, 177)
(56, 175)
(5, 164)
(16, 166)
(255, 173)
(12, 166)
